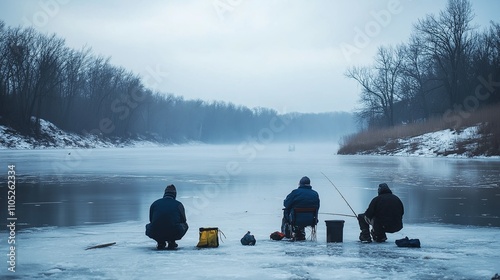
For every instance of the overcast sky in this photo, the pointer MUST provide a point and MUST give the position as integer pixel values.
(287, 55)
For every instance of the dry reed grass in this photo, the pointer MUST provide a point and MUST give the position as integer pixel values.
(385, 139)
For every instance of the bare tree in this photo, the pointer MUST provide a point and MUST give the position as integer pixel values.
(447, 40)
(20, 57)
(380, 83)
(73, 82)
(3, 71)
(419, 78)
(48, 75)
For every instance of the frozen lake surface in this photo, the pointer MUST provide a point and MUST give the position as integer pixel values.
(68, 200)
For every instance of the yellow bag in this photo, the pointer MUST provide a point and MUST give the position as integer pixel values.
(209, 237)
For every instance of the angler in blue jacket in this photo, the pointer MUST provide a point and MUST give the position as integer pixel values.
(167, 219)
(302, 197)
(384, 214)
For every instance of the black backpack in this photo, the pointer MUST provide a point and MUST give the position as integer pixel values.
(405, 242)
(248, 239)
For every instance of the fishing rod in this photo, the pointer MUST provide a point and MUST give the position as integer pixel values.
(340, 194)
(336, 214)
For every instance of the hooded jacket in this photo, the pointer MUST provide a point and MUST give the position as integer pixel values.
(303, 196)
(386, 210)
(167, 219)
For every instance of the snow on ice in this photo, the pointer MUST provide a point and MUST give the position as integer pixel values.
(448, 252)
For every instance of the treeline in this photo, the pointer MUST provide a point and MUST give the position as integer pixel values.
(41, 78)
(448, 68)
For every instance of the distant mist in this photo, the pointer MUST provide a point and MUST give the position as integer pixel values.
(41, 78)
(318, 127)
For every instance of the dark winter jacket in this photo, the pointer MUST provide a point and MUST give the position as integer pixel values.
(167, 219)
(386, 210)
(302, 197)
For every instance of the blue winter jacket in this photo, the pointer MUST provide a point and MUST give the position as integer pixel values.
(167, 219)
(302, 197)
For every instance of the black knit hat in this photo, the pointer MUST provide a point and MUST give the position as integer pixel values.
(383, 188)
(170, 191)
(305, 181)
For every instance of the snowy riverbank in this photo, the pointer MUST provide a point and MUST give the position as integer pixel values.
(447, 143)
(53, 137)
(443, 142)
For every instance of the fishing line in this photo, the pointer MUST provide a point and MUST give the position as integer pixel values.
(340, 194)
(336, 214)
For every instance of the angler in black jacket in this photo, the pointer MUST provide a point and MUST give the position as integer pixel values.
(385, 214)
(167, 219)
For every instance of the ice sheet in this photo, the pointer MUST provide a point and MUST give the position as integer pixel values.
(447, 252)
(250, 198)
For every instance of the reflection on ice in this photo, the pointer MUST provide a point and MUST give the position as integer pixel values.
(104, 197)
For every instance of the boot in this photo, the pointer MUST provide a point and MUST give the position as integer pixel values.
(161, 245)
(378, 238)
(172, 245)
(364, 236)
(300, 234)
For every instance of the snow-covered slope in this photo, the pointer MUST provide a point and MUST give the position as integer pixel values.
(444, 142)
(448, 142)
(451, 143)
(53, 137)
